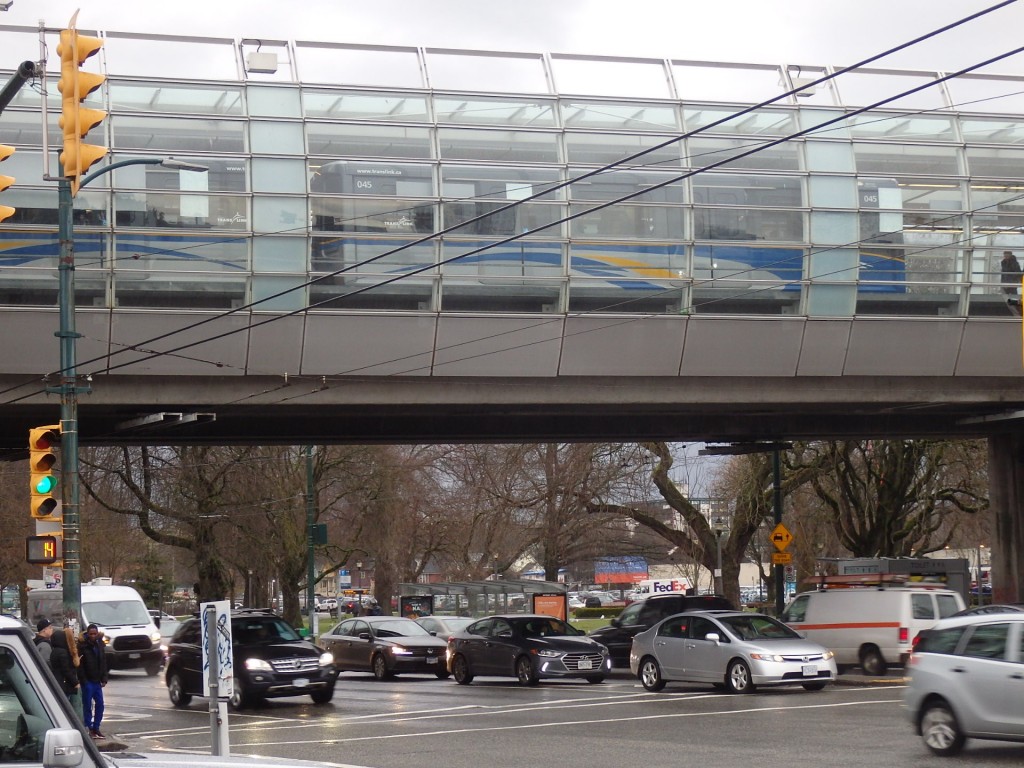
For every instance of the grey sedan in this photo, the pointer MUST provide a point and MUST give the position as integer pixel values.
(732, 649)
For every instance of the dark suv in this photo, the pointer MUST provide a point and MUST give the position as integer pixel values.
(269, 659)
(644, 614)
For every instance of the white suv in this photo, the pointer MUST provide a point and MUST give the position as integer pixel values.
(967, 681)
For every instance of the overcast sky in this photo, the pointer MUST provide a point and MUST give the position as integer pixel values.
(758, 31)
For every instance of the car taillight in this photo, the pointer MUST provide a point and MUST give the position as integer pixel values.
(904, 635)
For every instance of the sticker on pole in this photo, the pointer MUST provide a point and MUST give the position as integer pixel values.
(219, 621)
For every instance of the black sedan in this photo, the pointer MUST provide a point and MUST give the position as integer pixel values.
(527, 647)
(386, 646)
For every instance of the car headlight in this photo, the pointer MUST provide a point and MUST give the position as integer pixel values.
(767, 657)
(399, 650)
(326, 659)
(258, 665)
(828, 655)
(155, 637)
(546, 652)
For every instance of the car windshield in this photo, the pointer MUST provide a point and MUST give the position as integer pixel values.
(112, 613)
(545, 628)
(248, 631)
(399, 628)
(757, 627)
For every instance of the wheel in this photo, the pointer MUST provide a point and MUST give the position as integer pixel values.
(442, 674)
(872, 662)
(323, 696)
(240, 698)
(650, 675)
(176, 690)
(153, 669)
(380, 667)
(737, 677)
(814, 686)
(460, 670)
(940, 730)
(525, 672)
(595, 679)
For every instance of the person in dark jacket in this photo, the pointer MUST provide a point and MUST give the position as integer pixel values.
(63, 665)
(42, 639)
(93, 669)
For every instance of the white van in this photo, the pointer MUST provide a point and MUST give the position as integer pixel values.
(133, 641)
(870, 627)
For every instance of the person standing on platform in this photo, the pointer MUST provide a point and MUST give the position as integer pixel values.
(94, 678)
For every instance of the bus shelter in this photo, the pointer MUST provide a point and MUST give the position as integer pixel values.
(476, 598)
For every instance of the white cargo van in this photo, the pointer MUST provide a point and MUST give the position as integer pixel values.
(870, 627)
(133, 641)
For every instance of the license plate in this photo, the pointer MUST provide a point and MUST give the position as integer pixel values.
(431, 659)
(134, 655)
(810, 670)
(585, 664)
(300, 682)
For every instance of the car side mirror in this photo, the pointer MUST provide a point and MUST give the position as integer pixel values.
(156, 621)
(713, 638)
(364, 635)
(616, 621)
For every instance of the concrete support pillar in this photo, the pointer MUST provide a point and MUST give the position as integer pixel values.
(1006, 495)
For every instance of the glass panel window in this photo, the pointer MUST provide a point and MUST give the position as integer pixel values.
(169, 134)
(279, 254)
(998, 203)
(484, 111)
(282, 293)
(860, 89)
(928, 194)
(980, 94)
(902, 127)
(626, 296)
(618, 117)
(633, 261)
(628, 221)
(498, 146)
(177, 290)
(526, 217)
(281, 215)
(346, 177)
(983, 130)
(182, 211)
(391, 215)
(389, 67)
(747, 190)
(372, 255)
(175, 58)
(339, 140)
(278, 175)
(617, 182)
(636, 78)
(273, 102)
(748, 224)
(498, 183)
(374, 292)
(513, 73)
(889, 159)
(746, 85)
(38, 207)
(606, 148)
(520, 258)
(227, 175)
(833, 157)
(833, 191)
(810, 118)
(358, 105)
(763, 122)
(995, 162)
(705, 151)
(184, 252)
(276, 138)
(170, 98)
(833, 227)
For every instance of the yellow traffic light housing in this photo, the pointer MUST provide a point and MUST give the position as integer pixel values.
(76, 121)
(42, 458)
(5, 181)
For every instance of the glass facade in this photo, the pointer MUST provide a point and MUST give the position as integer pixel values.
(455, 181)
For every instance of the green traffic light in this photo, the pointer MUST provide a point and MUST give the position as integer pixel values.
(46, 484)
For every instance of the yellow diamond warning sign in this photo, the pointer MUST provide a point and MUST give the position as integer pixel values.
(781, 537)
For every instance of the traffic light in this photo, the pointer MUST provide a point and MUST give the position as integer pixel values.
(5, 181)
(76, 121)
(43, 550)
(42, 444)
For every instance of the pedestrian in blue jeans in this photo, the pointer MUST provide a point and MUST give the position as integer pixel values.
(93, 671)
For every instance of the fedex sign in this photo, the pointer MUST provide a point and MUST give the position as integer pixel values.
(662, 586)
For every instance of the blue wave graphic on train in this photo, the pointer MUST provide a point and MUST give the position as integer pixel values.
(30, 248)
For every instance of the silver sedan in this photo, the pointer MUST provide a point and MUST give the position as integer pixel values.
(732, 649)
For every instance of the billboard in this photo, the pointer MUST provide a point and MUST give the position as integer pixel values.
(620, 570)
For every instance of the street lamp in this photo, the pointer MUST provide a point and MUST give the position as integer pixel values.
(719, 529)
(71, 580)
